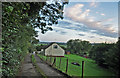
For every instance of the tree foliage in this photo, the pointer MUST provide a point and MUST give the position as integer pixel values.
(106, 55)
(78, 46)
(112, 57)
(19, 21)
(99, 52)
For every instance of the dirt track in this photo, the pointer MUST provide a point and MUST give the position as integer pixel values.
(28, 70)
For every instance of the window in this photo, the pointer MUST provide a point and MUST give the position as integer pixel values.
(55, 46)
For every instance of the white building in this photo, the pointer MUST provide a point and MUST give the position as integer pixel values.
(53, 49)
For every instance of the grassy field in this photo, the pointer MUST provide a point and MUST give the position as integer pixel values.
(90, 68)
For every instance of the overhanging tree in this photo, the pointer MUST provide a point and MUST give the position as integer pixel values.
(19, 21)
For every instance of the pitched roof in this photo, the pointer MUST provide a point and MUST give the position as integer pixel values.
(49, 44)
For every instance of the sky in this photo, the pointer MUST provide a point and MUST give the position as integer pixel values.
(96, 22)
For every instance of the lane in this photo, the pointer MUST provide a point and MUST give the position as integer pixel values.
(49, 71)
(27, 68)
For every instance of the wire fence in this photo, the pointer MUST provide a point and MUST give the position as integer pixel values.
(64, 64)
(73, 65)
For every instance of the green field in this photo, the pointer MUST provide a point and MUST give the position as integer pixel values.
(90, 68)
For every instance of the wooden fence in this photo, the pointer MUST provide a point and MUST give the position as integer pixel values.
(63, 64)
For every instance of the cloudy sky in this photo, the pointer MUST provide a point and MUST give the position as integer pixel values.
(92, 21)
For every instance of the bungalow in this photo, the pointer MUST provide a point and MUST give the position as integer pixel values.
(53, 50)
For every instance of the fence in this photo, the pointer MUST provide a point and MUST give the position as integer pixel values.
(64, 64)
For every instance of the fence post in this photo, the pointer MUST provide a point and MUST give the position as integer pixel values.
(46, 58)
(60, 62)
(50, 60)
(42, 57)
(67, 66)
(82, 68)
(54, 62)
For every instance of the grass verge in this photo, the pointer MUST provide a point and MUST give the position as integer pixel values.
(90, 67)
(37, 67)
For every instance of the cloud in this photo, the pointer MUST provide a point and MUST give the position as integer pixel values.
(75, 10)
(56, 30)
(100, 38)
(93, 4)
(73, 26)
(85, 13)
(102, 14)
(81, 27)
(77, 14)
(72, 34)
(93, 31)
(97, 12)
(81, 34)
(108, 20)
(92, 36)
(62, 32)
(64, 23)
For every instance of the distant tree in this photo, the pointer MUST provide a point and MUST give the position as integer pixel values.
(85, 48)
(39, 47)
(106, 55)
(63, 47)
(78, 46)
(112, 57)
(98, 53)
(70, 46)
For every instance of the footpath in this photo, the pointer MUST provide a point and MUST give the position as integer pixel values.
(48, 71)
(27, 69)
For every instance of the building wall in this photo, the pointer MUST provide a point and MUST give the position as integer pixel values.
(51, 51)
(48, 51)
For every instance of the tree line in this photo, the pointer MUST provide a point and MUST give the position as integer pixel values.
(104, 54)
